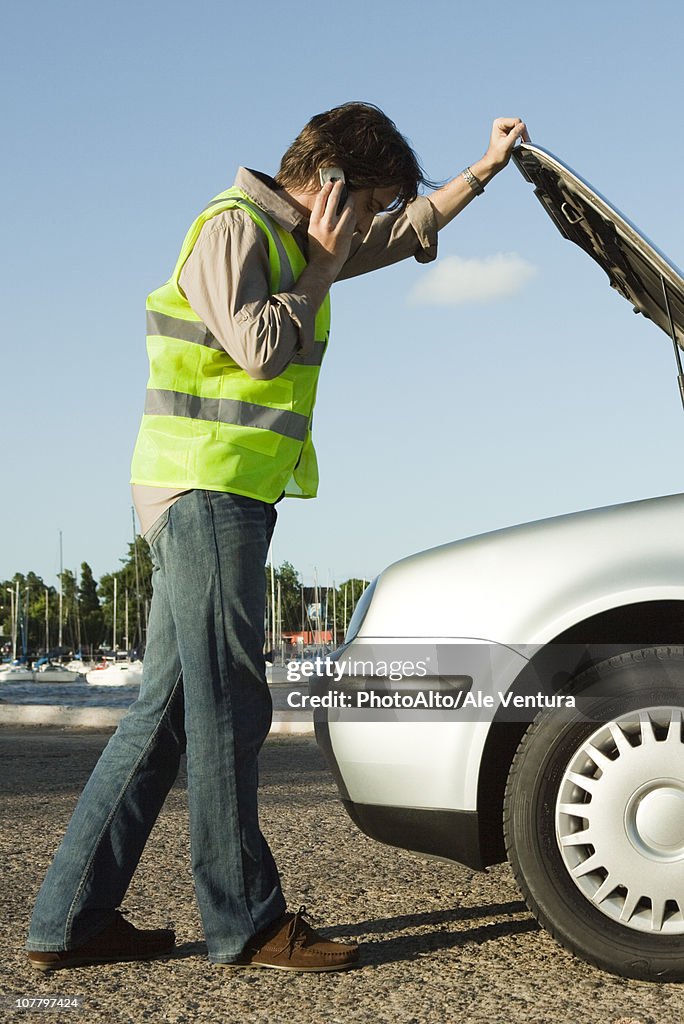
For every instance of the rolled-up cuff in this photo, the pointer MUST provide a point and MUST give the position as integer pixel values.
(302, 314)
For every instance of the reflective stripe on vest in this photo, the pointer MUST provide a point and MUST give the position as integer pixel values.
(199, 334)
(207, 423)
(226, 410)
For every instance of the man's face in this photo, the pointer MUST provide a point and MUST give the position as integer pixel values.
(370, 201)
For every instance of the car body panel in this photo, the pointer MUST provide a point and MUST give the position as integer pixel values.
(507, 594)
(422, 763)
(636, 268)
(525, 585)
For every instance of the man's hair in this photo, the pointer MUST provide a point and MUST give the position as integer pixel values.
(364, 142)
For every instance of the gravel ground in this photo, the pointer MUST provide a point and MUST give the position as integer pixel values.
(440, 942)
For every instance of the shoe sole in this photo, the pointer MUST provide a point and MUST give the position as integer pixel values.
(92, 960)
(285, 967)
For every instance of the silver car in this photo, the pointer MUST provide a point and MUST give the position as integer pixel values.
(550, 661)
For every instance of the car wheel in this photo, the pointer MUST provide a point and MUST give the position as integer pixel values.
(594, 816)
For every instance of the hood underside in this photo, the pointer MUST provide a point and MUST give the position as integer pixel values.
(635, 267)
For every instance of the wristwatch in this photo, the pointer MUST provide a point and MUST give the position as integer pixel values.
(475, 183)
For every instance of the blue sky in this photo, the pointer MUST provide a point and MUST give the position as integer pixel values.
(434, 421)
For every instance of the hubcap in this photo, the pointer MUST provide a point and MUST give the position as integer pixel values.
(655, 821)
(620, 819)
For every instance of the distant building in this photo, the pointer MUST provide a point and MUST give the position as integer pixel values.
(308, 637)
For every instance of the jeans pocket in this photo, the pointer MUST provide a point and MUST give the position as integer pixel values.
(157, 526)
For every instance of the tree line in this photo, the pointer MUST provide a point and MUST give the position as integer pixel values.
(33, 614)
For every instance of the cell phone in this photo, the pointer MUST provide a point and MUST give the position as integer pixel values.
(335, 174)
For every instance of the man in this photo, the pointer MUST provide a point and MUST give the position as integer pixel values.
(235, 341)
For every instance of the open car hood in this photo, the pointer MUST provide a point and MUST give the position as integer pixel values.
(635, 267)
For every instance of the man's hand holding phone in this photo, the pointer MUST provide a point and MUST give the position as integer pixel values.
(332, 222)
(334, 174)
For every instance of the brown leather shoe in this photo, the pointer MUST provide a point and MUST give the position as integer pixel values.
(119, 941)
(290, 944)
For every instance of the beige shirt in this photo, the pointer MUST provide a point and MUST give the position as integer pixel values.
(226, 281)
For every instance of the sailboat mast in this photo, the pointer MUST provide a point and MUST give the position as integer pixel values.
(61, 590)
(114, 621)
(138, 635)
(273, 606)
(15, 631)
(279, 623)
(334, 617)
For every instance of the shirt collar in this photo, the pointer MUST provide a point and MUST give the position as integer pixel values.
(265, 193)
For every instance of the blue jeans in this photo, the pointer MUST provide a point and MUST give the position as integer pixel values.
(204, 691)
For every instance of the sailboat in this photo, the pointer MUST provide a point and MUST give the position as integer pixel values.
(116, 673)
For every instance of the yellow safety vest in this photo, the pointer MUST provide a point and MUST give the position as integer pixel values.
(207, 423)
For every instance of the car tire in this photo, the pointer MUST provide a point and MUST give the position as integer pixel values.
(594, 816)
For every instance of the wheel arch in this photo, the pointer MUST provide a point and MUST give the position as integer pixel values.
(586, 643)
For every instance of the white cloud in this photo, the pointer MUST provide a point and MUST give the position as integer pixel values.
(454, 281)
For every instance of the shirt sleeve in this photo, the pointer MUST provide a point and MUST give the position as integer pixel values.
(393, 237)
(226, 280)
